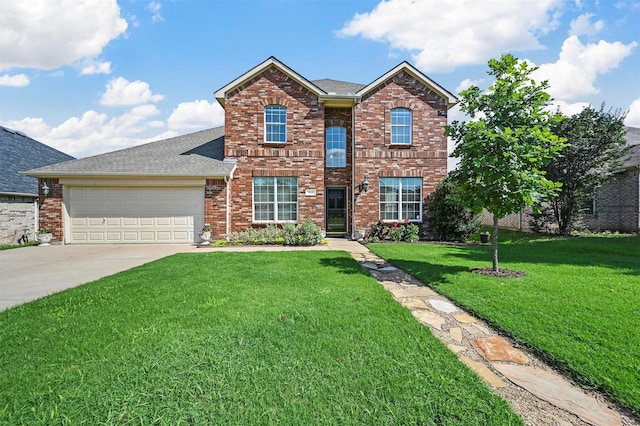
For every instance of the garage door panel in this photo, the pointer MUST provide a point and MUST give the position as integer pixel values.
(135, 215)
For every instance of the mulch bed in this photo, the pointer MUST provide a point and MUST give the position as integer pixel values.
(501, 273)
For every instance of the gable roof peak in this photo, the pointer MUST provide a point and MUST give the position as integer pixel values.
(417, 74)
(271, 61)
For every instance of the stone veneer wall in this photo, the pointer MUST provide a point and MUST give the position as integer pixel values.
(426, 157)
(17, 215)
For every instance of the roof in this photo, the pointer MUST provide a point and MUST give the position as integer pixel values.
(334, 91)
(632, 136)
(220, 94)
(199, 154)
(19, 152)
(341, 88)
(417, 74)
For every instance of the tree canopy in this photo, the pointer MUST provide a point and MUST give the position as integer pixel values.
(504, 148)
(596, 148)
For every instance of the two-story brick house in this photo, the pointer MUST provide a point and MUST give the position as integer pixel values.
(345, 155)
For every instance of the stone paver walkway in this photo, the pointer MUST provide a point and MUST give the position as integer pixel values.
(520, 378)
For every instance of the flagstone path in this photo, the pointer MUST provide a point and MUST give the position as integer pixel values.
(538, 394)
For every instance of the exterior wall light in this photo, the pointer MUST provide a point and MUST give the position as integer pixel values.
(364, 186)
(45, 189)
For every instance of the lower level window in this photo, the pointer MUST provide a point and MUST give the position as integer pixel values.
(401, 199)
(275, 199)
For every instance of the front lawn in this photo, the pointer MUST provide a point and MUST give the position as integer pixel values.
(578, 305)
(233, 338)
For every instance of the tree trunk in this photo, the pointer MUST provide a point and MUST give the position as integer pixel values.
(495, 243)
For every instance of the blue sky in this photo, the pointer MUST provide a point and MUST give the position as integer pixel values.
(93, 76)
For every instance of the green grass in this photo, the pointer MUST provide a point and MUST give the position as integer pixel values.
(233, 338)
(578, 305)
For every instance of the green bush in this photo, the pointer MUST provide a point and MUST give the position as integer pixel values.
(412, 233)
(409, 232)
(397, 233)
(308, 233)
(448, 218)
(305, 234)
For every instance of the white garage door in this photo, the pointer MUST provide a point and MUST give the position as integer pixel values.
(135, 215)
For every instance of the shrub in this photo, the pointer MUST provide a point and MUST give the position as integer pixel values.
(379, 231)
(305, 234)
(412, 233)
(450, 220)
(397, 232)
(308, 233)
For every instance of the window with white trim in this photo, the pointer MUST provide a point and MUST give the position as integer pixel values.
(401, 126)
(275, 124)
(275, 199)
(336, 147)
(400, 199)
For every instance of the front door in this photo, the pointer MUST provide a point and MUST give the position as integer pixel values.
(336, 210)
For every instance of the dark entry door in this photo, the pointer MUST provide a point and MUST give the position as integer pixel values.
(336, 214)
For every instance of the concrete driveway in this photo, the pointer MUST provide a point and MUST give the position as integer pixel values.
(30, 273)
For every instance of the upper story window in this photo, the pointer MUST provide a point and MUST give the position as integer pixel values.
(336, 147)
(275, 124)
(401, 126)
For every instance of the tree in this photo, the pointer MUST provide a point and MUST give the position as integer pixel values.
(450, 219)
(596, 148)
(504, 148)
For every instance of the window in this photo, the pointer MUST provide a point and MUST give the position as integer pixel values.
(401, 126)
(401, 199)
(336, 144)
(275, 199)
(275, 124)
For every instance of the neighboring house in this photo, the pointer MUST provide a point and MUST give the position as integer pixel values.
(345, 155)
(614, 207)
(18, 193)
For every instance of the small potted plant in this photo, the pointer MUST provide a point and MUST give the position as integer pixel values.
(205, 235)
(484, 237)
(44, 236)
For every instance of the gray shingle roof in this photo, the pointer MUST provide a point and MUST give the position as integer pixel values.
(338, 87)
(633, 138)
(19, 152)
(198, 154)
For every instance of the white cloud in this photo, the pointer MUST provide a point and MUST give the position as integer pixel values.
(578, 66)
(122, 92)
(466, 83)
(47, 34)
(566, 108)
(95, 133)
(582, 25)
(154, 7)
(633, 114)
(444, 34)
(196, 115)
(17, 80)
(91, 66)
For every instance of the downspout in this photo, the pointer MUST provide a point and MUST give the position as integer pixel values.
(227, 182)
(227, 212)
(353, 171)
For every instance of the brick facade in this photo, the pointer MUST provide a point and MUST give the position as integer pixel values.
(302, 156)
(618, 204)
(368, 130)
(376, 157)
(51, 209)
